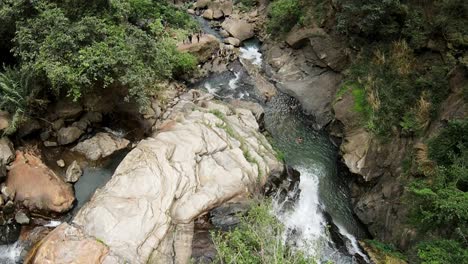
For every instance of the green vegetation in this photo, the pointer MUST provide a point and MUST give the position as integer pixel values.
(69, 48)
(256, 240)
(440, 197)
(386, 248)
(442, 251)
(284, 15)
(247, 5)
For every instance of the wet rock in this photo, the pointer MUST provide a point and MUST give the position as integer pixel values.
(37, 186)
(101, 146)
(5, 120)
(28, 127)
(203, 249)
(205, 46)
(238, 28)
(233, 41)
(284, 186)
(21, 218)
(7, 192)
(9, 233)
(226, 216)
(58, 124)
(9, 207)
(378, 256)
(50, 144)
(67, 109)
(83, 249)
(263, 86)
(6, 155)
(316, 93)
(68, 135)
(299, 37)
(73, 172)
(45, 135)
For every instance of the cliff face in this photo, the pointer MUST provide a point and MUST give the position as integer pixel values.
(309, 67)
(378, 190)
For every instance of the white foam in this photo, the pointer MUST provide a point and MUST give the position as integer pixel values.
(53, 223)
(210, 89)
(233, 81)
(252, 54)
(10, 254)
(306, 218)
(352, 243)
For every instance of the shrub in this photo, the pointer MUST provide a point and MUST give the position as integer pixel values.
(284, 14)
(83, 45)
(442, 251)
(450, 143)
(256, 240)
(18, 96)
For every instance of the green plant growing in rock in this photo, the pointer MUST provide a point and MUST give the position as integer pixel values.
(256, 240)
(18, 96)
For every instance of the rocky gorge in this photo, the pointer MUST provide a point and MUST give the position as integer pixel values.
(193, 159)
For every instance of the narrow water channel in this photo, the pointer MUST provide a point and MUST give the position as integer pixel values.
(321, 222)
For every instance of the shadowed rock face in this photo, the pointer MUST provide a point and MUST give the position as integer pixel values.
(37, 186)
(202, 155)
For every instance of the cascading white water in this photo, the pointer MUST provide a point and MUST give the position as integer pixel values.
(10, 254)
(252, 54)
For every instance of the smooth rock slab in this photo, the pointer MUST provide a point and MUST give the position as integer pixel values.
(194, 163)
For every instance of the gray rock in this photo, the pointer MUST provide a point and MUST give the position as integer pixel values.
(68, 109)
(101, 146)
(9, 233)
(7, 192)
(50, 144)
(28, 127)
(9, 207)
(316, 93)
(67, 135)
(299, 37)
(58, 124)
(45, 135)
(21, 218)
(73, 172)
(61, 163)
(233, 41)
(6, 155)
(238, 28)
(226, 216)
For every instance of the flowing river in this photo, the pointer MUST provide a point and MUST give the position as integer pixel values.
(321, 221)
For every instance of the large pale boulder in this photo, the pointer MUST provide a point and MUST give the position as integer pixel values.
(238, 28)
(316, 93)
(202, 155)
(37, 186)
(100, 146)
(203, 48)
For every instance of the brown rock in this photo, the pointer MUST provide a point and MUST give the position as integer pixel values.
(84, 250)
(37, 186)
(67, 109)
(233, 41)
(206, 46)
